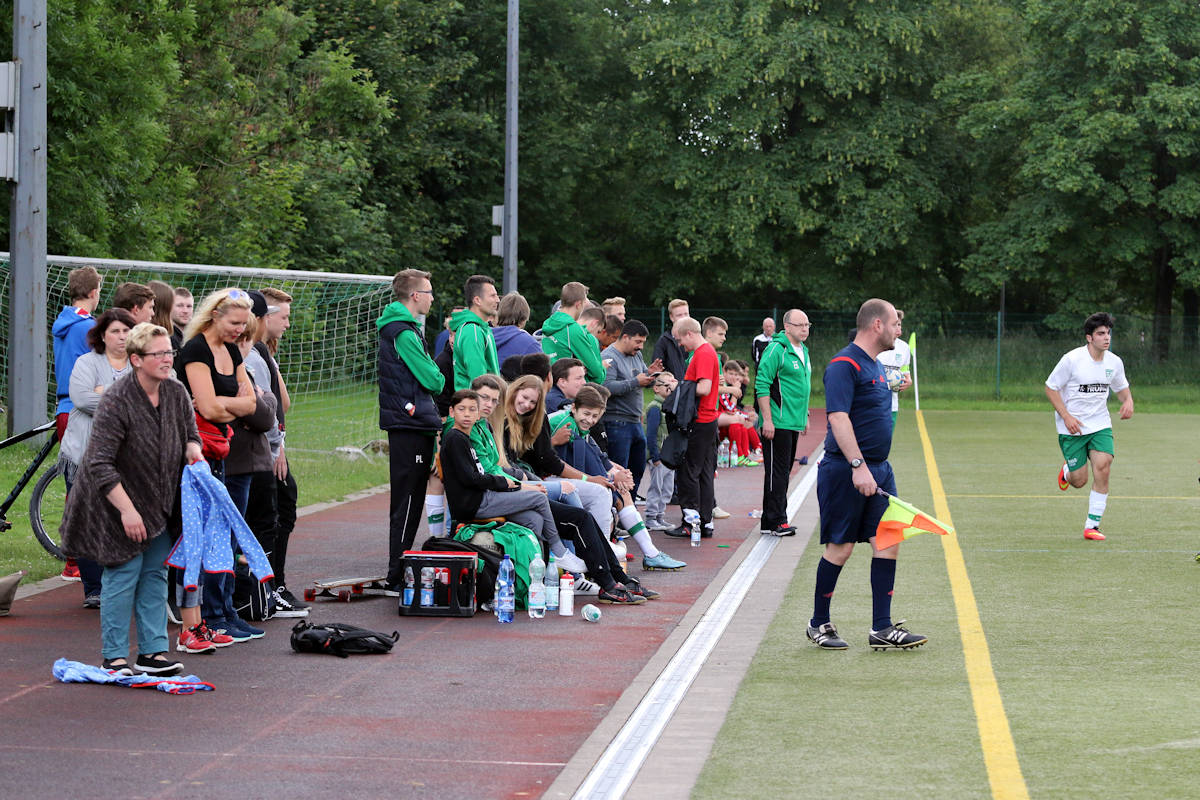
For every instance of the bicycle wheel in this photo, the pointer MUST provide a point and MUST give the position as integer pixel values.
(46, 509)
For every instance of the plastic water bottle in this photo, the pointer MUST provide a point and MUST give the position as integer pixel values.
(552, 585)
(723, 455)
(566, 595)
(537, 588)
(426, 586)
(408, 586)
(693, 521)
(506, 591)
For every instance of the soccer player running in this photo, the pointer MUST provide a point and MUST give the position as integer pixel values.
(1078, 389)
(858, 406)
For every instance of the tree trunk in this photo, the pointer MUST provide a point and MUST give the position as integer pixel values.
(1191, 319)
(1164, 292)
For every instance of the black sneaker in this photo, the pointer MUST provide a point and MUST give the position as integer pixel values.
(895, 636)
(286, 604)
(157, 664)
(682, 532)
(619, 595)
(91, 601)
(782, 529)
(120, 669)
(635, 588)
(826, 637)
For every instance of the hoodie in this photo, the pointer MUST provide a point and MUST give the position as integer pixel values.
(70, 342)
(474, 348)
(513, 341)
(564, 337)
(787, 379)
(408, 377)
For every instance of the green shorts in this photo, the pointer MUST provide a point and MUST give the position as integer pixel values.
(1075, 448)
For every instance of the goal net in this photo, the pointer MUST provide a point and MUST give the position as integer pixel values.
(327, 357)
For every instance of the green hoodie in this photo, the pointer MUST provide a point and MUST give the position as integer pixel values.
(411, 349)
(564, 417)
(788, 382)
(564, 337)
(474, 348)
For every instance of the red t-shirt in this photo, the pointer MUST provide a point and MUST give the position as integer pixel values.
(703, 365)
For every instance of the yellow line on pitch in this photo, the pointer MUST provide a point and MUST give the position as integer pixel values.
(999, 751)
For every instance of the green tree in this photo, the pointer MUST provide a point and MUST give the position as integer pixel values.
(1101, 118)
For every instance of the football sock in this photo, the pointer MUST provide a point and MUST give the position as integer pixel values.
(883, 579)
(435, 515)
(827, 578)
(631, 521)
(1096, 504)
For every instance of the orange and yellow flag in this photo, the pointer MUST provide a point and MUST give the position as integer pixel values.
(903, 520)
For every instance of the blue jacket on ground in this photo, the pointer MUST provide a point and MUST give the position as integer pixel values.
(208, 516)
(70, 342)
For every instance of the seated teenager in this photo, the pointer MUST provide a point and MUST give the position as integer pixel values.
(735, 422)
(473, 493)
(583, 454)
(611, 584)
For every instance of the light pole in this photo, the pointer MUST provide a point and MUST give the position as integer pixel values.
(511, 73)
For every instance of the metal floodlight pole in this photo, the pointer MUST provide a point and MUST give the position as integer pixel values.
(27, 218)
(509, 228)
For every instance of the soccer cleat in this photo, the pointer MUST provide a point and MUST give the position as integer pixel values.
(826, 637)
(662, 561)
(1093, 534)
(71, 571)
(1063, 483)
(635, 588)
(719, 513)
(895, 636)
(193, 640)
(782, 529)
(619, 595)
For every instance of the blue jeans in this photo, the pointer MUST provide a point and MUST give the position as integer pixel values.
(137, 587)
(627, 447)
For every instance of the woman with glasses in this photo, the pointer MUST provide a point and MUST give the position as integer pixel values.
(210, 367)
(93, 372)
(125, 499)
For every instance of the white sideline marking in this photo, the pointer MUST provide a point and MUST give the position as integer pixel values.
(616, 768)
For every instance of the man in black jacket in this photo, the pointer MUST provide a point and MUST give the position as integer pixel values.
(667, 350)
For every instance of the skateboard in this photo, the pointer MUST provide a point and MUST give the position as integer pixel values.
(345, 588)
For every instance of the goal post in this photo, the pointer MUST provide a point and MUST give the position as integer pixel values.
(327, 357)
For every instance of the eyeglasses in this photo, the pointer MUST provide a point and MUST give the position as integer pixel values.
(160, 354)
(799, 324)
(237, 294)
(423, 291)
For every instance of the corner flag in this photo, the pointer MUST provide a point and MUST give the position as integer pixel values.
(902, 521)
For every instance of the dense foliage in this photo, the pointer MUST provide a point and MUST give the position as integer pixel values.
(809, 151)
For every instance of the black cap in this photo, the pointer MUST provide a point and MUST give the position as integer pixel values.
(258, 303)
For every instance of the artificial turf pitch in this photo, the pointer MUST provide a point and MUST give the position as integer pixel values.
(1093, 645)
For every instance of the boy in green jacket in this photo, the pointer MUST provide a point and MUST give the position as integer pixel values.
(782, 385)
(474, 345)
(564, 337)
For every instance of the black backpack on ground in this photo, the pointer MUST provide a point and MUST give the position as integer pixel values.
(252, 598)
(340, 639)
(485, 578)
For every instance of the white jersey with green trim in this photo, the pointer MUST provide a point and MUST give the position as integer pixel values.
(899, 357)
(1084, 385)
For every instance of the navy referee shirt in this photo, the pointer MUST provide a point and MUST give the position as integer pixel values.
(855, 384)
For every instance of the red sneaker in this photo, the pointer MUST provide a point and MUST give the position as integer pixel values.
(1093, 534)
(1063, 483)
(71, 571)
(192, 640)
(216, 637)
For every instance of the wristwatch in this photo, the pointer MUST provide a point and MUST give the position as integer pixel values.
(855, 463)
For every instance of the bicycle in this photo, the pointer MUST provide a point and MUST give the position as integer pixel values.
(49, 494)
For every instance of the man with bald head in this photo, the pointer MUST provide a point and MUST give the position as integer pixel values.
(858, 406)
(782, 386)
(694, 478)
(761, 341)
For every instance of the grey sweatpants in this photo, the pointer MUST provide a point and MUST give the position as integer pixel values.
(662, 485)
(528, 509)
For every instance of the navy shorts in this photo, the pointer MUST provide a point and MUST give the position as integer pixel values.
(846, 516)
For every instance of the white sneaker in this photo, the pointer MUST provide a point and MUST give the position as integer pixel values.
(585, 587)
(720, 513)
(658, 524)
(571, 563)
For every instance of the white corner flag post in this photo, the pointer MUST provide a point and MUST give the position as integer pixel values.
(912, 350)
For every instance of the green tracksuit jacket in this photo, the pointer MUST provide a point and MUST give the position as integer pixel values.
(563, 337)
(787, 380)
(474, 348)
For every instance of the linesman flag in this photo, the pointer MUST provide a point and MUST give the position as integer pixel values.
(902, 521)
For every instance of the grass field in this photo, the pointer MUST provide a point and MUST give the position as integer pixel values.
(1093, 644)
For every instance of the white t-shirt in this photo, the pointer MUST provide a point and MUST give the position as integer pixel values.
(898, 357)
(1084, 385)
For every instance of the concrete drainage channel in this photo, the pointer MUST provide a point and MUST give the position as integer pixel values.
(610, 762)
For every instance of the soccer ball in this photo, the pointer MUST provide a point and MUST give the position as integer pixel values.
(894, 378)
